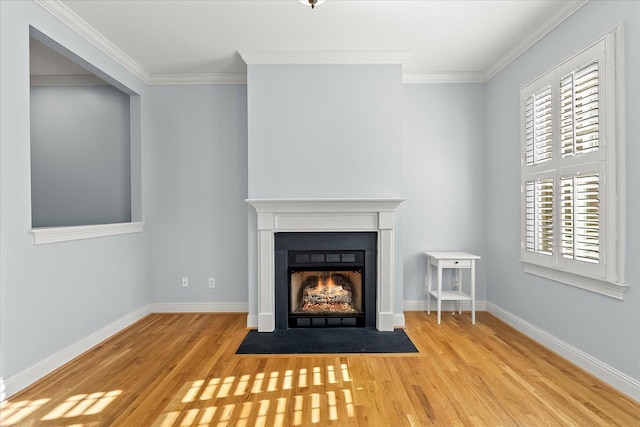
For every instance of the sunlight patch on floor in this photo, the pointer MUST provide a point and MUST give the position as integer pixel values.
(12, 413)
(83, 404)
(218, 402)
(79, 405)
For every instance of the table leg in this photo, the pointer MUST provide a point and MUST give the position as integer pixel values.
(428, 283)
(439, 298)
(473, 292)
(459, 288)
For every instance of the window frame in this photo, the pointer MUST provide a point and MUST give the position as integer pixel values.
(607, 276)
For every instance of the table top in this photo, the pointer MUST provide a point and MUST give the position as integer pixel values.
(451, 255)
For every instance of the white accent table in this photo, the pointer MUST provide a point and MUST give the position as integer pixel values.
(457, 261)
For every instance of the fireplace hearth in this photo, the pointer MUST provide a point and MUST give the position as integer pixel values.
(325, 279)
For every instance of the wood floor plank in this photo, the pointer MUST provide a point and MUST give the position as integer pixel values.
(174, 370)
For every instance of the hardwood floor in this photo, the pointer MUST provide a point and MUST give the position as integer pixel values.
(182, 370)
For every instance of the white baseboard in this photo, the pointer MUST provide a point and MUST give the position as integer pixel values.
(14, 384)
(252, 321)
(199, 307)
(619, 380)
(398, 320)
(421, 305)
(606, 373)
(17, 382)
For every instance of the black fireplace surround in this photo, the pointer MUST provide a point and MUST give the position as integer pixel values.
(339, 253)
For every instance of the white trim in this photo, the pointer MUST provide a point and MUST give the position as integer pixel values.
(23, 379)
(570, 7)
(252, 322)
(197, 79)
(421, 305)
(621, 144)
(45, 235)
(323, 57)
(398, 320)
(447, 77)
(607, 277)
(30, 375)
(296, 215)
(80, 26)
(385, 321)
(158, 79)
(608, 374)
(198, 307)
(593, 284)
(86, 31)
(336, 206)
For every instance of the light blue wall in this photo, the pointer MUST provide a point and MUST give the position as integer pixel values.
(604, 328)
(80, 156)
(54, 295)
(325, 131)
(443, 180)
(198, 219)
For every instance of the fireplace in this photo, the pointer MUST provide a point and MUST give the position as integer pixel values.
(277, 217)
(325, 279)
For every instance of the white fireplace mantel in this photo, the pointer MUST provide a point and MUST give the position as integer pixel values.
(313, 215)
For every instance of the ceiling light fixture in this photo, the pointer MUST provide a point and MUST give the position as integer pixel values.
(312, 3)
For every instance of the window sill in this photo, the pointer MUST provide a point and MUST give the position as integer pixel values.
(45, 235)
(592, 284)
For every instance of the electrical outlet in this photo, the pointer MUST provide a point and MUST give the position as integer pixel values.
(185, 282)
(212, 282)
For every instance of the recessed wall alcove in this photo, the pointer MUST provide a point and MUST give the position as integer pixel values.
(85, 148)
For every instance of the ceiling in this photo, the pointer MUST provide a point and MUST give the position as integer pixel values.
(164, 41)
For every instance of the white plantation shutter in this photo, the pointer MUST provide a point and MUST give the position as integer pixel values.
(570, 223)
(539, 216)
(538, 125)
(581, 218)
(579, 111)
(579, 136)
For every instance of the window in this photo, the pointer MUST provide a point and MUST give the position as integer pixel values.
(571, 171)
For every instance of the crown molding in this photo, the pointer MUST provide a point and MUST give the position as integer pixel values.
(86, 31)
(76, 23)
(512, 54)
(241, 78)
(196, 79)
(451, 77)
(324, 57)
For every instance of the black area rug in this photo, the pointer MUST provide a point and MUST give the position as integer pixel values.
(326, 340)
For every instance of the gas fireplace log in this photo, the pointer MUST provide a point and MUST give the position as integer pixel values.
(332, 293)
(326, 308)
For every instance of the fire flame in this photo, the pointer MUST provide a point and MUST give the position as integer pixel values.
(328, 282)
(325, 283)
